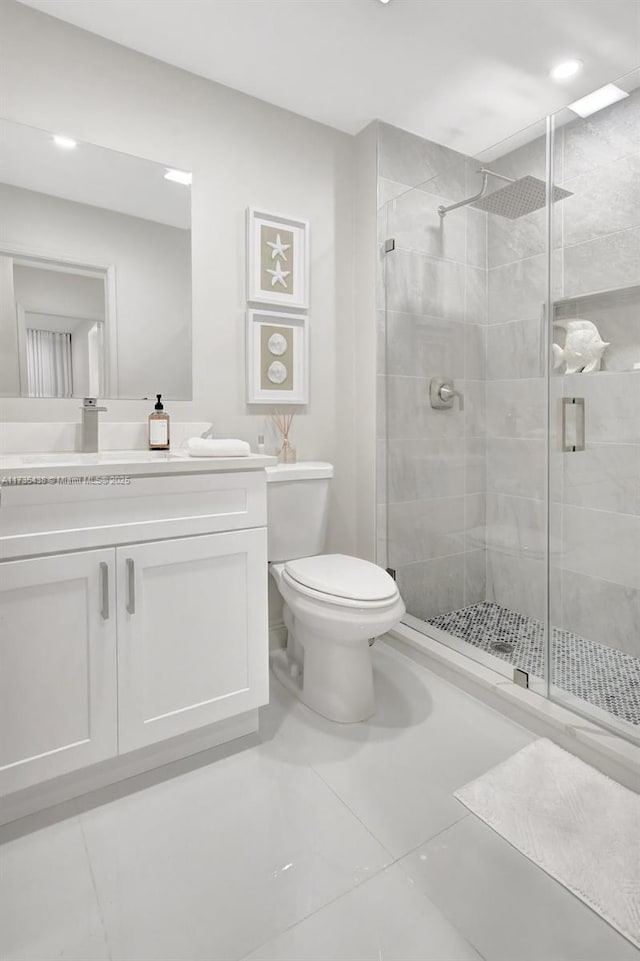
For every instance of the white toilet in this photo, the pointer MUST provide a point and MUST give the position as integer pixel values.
(334, 605)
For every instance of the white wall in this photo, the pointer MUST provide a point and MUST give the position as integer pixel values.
(242, 152)
(152, 275)
(9, 370)
(366, 331)
(43, 291)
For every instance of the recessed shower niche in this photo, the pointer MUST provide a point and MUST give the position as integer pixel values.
(616, 315)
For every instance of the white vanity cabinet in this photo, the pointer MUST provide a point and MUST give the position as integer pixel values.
(154, 631)
(191, 637)
(57, 666)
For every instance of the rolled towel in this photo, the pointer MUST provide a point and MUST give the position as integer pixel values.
(217, 447)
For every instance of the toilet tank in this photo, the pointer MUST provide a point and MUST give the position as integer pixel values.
(297, 509)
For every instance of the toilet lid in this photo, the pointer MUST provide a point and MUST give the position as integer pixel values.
(342, 576)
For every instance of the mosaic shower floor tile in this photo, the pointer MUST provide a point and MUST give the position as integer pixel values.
(604, 677)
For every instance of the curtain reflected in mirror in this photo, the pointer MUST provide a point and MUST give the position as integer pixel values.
(59, 317)
(49, 364)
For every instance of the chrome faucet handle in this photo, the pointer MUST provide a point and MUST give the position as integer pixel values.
(442, 394)
(448, 393)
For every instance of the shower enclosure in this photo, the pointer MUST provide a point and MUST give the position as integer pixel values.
(509, 401)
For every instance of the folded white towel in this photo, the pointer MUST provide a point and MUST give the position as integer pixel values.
(217, 447)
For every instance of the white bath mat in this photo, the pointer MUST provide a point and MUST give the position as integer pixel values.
(575, 823)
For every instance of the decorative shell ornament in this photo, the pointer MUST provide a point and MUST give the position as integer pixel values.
(583, 348)
(277, 344)
(277, 372)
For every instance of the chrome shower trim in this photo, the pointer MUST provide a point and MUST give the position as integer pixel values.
(443, 211)
(514, 200)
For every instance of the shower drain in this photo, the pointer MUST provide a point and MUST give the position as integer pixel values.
(502, 646)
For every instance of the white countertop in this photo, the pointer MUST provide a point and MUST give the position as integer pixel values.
(121, 462)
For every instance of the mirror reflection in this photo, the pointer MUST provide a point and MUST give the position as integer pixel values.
(95, 271)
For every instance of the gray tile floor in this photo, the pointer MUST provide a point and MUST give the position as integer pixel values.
(315, 841)
(604, 677)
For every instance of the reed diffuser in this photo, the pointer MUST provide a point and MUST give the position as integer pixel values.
(283, 422)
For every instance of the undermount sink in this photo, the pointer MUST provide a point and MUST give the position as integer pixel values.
(30, 468)
(137, 456)
(71, 458)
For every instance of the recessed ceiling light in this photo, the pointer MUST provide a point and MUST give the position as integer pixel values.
(384, 1)
(603, 97)
(179, 177)
(566, 70)
(67, 143)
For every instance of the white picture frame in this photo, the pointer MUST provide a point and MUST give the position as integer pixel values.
(277, 259)
(277, 353)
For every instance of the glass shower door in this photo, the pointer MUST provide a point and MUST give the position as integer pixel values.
(463, 403)
(594, 484)
(431, 487)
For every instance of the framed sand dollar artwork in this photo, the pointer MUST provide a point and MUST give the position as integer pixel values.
(277, 358)
(277, 260)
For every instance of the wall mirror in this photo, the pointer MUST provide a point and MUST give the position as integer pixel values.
(95, 271)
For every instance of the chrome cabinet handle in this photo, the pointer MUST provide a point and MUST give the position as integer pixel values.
(104, 581)
(131, 577)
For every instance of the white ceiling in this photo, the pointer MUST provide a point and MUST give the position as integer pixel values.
(466, 73)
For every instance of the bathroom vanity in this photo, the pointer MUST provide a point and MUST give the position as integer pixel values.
(133, 589)
(133, 583)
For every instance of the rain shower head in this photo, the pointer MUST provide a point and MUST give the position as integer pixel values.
(519, 197)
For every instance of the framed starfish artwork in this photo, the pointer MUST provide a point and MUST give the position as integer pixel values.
(277, 358)
(277, 260)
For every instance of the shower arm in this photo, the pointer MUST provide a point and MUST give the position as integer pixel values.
(486, 173)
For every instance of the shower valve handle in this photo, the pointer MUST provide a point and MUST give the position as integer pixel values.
(448, 393)
(442, 394)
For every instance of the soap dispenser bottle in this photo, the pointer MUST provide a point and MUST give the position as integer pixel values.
(158, 427)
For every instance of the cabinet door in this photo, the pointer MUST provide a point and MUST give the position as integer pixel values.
(192, 633)
(57, 666)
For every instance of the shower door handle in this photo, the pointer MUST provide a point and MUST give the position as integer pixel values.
(573, 424)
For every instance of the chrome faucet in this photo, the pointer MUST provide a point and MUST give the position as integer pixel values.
(90, 437)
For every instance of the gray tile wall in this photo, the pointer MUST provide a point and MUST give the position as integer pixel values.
(431, 462)
(596, 579)
(516, 399)
(595, 510)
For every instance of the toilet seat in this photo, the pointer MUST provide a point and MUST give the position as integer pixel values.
(327, 660)
(342, 580)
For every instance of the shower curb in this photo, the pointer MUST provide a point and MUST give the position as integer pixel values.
(598, 746)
